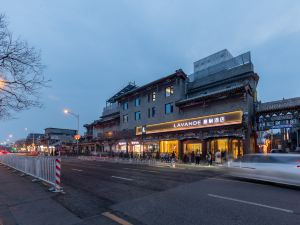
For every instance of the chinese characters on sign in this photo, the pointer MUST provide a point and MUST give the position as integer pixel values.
(193, 123)
(214, 120)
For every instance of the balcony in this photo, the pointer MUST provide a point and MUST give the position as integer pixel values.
(111, 109)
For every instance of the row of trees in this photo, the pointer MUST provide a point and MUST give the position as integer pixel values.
(21, 73)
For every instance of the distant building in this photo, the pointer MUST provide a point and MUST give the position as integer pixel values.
(34, 139)
(278, 125)
(58, 136)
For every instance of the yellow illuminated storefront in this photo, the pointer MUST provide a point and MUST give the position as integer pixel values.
(230, 146)
(189, 147)
(168, 147)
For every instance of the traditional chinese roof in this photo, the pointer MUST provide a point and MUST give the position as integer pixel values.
(178, 73)
(214, 94)
(291, 103)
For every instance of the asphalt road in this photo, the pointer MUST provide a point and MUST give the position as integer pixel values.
(153, 195)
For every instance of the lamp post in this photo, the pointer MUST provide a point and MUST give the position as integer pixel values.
(66, 111)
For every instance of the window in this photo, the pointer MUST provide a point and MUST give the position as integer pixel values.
(168, 108)
(149, 112)
(125, 105)
(137, 102)
(153, 111)
(125, 118)
(153, 96)
(169, 91)
(137, 115)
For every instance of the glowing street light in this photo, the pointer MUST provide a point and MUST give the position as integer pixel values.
(2, 83)
(67, 111)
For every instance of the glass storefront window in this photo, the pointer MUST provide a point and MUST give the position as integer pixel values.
(169, 147)
(192, 147)
(222, 145)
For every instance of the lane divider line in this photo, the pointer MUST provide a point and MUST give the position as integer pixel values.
(150, 171)
(122, 178)
(251, 203)
(116, 218)
(77, 170)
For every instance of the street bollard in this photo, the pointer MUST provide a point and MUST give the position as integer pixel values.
(57, 187)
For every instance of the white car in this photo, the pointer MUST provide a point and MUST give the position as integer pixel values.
(275, 167)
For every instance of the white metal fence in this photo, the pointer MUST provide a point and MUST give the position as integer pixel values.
(139, 161)
(43, 168)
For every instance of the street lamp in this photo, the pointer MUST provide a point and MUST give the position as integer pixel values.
(2, 83)
(67, 111)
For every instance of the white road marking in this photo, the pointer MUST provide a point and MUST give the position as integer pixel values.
(251, 203)
(150, 171)
(77, 170)
(116, 218)
(122, 178)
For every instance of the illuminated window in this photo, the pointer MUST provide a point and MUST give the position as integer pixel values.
(137, 115)
(169, 91)
(169, 108)
(153, 96)
(125, 105)
(137, 102)
(125, 118)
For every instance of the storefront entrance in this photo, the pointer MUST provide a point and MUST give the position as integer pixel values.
(228, 147)
(192, 146)
(168, 147)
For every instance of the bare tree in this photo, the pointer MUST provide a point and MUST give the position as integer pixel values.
(21, 73)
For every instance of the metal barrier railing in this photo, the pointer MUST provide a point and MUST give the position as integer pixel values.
(125, 160)
(44, 168)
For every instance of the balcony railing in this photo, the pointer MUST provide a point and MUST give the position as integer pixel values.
(111, 109)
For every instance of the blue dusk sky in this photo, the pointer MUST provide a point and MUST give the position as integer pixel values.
(93, 48)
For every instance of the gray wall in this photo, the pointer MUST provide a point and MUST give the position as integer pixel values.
(159, 104)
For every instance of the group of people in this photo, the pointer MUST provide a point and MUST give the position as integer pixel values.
(196, 158)
(193, 157)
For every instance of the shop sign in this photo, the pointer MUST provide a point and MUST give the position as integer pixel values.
(122, 143)
(283, 117)
(193, 123)
(135, 143)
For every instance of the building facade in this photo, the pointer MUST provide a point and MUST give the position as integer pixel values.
(210, 110)
(278, 125)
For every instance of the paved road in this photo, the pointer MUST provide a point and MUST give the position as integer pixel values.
(152, 195)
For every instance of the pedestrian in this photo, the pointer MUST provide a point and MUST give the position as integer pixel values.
(157, 155)
(173, 155)
(185, 158)
(192, 157)
(198, 158)
(209, 158)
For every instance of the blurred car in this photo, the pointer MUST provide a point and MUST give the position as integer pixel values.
(275, 167)
(4, 152)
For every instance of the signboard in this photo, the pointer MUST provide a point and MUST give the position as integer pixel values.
(223, 119)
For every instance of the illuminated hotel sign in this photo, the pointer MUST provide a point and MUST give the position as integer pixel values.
(223, 119)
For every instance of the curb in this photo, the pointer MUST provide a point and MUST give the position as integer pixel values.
(265, 182)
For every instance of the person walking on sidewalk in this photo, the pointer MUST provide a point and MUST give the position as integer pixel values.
(192, 157)
(209, 158)
(198, 158)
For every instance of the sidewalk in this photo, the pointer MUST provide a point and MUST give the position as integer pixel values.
(23, 202)
(151, 162)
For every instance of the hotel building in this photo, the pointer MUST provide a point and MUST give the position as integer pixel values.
(212, 109)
